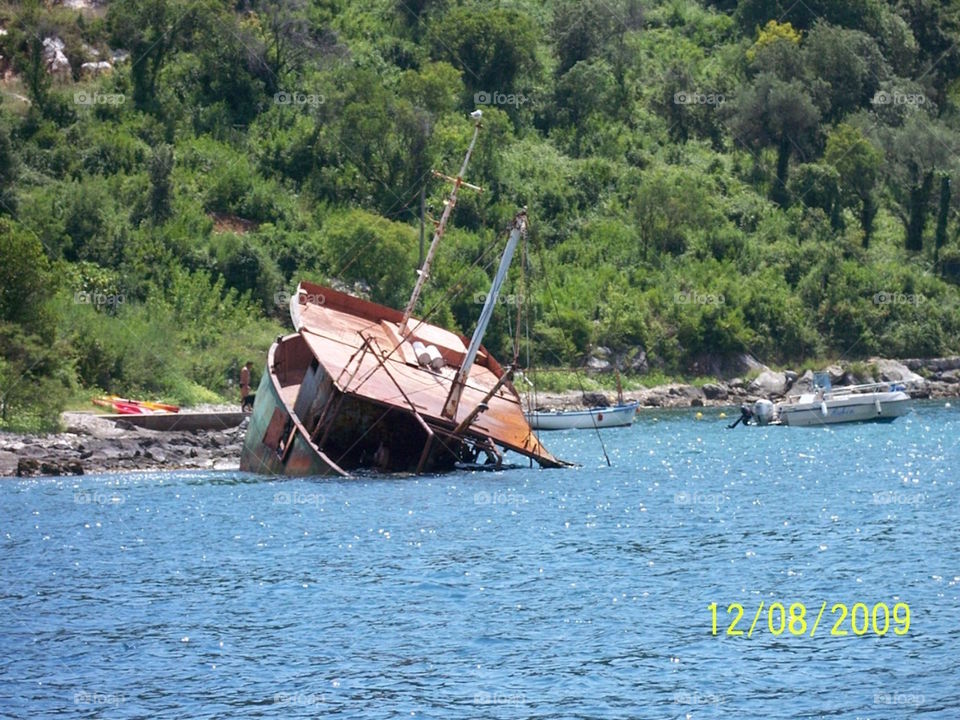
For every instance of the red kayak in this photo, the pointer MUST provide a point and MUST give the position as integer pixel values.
(123, 406)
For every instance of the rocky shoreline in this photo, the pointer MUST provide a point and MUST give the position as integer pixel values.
(90, 444)
(926, 378)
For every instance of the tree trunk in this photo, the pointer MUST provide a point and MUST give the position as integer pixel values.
(940, 239)
(919, 206)
(868, 212)
(779, 194)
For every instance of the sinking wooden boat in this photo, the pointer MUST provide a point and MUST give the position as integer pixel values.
(360, 385)
(589, 419)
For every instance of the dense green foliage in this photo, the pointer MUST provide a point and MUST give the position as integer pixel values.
(703, 179)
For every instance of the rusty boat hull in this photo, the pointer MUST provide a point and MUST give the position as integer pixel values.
(344, 392)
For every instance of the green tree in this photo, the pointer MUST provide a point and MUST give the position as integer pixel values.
(778, 108)
(286, 38)
(365, 248)
(495, 49)
(29, 31)
(851, 64)
(770, 112)
(858, 163)
(584, 29)
(153, 30)
(9, 170)
(916, 151)
(936, 27)
(161, 189)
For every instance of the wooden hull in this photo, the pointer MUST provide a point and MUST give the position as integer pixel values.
(618, 416)
(276, 443)
(343, 394)
(872, 407)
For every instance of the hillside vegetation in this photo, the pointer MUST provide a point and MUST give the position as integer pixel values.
(703, 179)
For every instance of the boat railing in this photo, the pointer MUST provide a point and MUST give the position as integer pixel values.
(844, 390)
(884, 386)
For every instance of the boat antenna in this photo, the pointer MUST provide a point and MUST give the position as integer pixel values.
(424, 272)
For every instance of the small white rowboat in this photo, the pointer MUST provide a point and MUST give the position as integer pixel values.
(597, 417)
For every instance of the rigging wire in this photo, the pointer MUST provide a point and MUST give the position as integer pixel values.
(556, 310)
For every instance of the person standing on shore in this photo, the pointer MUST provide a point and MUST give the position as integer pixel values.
(245, 382)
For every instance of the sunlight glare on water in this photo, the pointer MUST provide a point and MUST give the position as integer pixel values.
(550, 594)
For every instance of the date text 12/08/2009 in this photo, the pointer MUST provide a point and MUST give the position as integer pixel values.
(793, 619)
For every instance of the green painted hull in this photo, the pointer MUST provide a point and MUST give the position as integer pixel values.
(275, 445)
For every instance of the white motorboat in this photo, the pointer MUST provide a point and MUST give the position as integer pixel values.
(596, 417)
(824, 405)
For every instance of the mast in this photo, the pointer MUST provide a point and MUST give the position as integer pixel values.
(424, 272)
(518, 228)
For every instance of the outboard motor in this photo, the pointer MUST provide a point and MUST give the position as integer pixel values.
(746, 415)
(763, 411)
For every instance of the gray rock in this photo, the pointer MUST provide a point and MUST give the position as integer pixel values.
(836, 374)
(712, 391)
(769, 383)
(938, 364)
(726, 366)
(599, 360)
(8, 463)
(803, 384)
(155, 455)
(893, 371)
(28, 467)
(54, 58)
(635, 360)
(595, 399)
(598, 365)
(93, 69)
(652, 399)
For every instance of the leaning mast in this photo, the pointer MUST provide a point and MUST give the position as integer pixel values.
(424, 272)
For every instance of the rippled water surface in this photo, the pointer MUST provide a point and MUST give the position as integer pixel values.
(523, 594)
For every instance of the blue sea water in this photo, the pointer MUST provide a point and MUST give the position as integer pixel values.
(577, 593)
